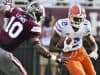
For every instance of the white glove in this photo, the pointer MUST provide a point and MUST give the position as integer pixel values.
(93, 55)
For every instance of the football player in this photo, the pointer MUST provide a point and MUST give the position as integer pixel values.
(19, 27)
(72, 30)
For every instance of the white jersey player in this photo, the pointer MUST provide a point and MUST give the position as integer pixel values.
(74, 29)
(64, 28)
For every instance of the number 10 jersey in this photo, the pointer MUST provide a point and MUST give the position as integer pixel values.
(19, 27)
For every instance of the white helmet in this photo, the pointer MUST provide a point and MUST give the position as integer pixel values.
(76, 15)
(35, 10)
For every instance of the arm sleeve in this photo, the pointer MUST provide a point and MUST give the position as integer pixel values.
(58, 27)
(88, 29)
(35, 31)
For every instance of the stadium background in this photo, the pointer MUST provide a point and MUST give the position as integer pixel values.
(59, 9)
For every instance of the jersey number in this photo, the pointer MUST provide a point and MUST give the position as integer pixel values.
(13, 28)
(76, 42)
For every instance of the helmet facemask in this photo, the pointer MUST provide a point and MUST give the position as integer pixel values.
(76, 21)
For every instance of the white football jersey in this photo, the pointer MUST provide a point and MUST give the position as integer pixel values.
(64, 28)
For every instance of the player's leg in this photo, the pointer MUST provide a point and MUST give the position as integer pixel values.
(88, 66)
(75, 68)
(74, 62)
(87, 63)
(9, 65)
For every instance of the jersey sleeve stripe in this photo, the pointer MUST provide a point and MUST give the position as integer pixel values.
(36, 29)
(58, 25)
(57, 29)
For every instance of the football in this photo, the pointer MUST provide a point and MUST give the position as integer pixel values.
(60, 43)
(69, 40)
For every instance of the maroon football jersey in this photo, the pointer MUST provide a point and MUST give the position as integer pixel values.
(19, 27)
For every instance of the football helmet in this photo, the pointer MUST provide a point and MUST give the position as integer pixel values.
(35, 10)
(76, 15)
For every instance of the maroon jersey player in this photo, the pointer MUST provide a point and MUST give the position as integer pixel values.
(20, 27)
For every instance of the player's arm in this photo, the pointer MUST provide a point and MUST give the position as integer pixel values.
(56, 43)
(46, 53)
(41, 49)
(93, 45)
(91, 41)
(53, 43)
(37, 45)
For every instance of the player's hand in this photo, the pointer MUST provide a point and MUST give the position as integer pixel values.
(61, 59)
(58, 59)
(93, 55)
(67, 44)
